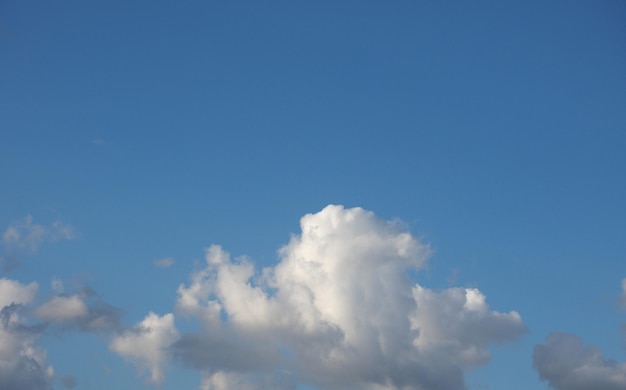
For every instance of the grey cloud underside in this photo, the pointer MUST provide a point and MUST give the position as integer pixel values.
(22, 363)
(27, 374)
(82, 310)
(204, 352)
(566, 364)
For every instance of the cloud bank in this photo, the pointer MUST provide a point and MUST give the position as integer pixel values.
(338, 311)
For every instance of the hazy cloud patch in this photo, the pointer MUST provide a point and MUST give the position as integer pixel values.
(164, 263)
(26, 237)
(68, 381)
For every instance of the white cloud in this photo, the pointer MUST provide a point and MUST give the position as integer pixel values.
(146, 344)
(566, 364)
(13, 292)
(338, 311)
(164, 263)
(97, 141)
(63, 309)
(22, 362)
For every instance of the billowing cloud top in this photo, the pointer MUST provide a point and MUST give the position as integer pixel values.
(339, 311)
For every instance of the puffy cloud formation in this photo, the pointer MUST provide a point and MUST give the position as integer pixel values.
(22, 362)
(26, 237)
(338, 311)
(567, 364)
(146, 344)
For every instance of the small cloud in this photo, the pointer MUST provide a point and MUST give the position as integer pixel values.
(567, 364)
(57, 285)
(164, 263)
(62, 309)
(97, 141)
(146, 344)
(68, 381)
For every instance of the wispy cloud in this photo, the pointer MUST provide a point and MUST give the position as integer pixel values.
(97, 141)
(68, 381)
(164, 263)
(26, 237)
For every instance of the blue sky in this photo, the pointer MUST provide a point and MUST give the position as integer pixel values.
(136, 131)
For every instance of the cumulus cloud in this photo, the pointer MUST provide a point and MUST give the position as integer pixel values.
(145, 345)
(164, 263)
(566, 364)
(338, 310)
(26, 237)
(22, 362)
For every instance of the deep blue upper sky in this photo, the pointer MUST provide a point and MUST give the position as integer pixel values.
(496, 131)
